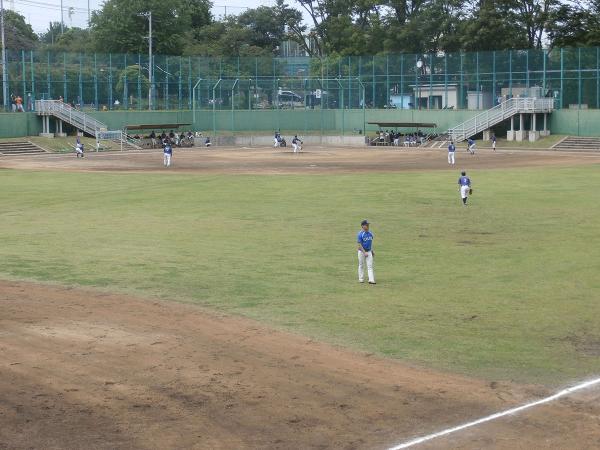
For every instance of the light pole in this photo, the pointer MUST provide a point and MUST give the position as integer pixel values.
(214, 105)
(150, 64)
(341, 92)
(4, 72)
(363, 106)
(194, 100)
(62, 20)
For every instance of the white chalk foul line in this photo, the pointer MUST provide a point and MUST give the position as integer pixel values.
(508, 412)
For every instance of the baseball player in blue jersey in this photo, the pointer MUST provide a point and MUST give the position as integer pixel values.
(365, 253)
(493, 142)
(471, 146)
(451, 152)
(464, 185)
(78, 148)
(167, 153)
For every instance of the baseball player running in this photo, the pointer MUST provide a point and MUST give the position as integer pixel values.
(464, 186)
(365, 253)
(167, 153)
(451, 152)
(471, 146)
(297, 144)
(79, 148)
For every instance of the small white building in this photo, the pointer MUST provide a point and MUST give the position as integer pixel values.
(436, 96)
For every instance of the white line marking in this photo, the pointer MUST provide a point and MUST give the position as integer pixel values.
(508, 412)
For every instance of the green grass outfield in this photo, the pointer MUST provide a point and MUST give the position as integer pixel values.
(508, 288)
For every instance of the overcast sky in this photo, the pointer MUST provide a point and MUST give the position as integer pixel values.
(39, 13)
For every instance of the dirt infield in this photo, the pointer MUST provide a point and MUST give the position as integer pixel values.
(83, 369)
(312, 161)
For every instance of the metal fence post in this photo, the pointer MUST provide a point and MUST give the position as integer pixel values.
(562, 76)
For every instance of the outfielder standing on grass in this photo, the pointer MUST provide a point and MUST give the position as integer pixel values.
(365, 253)
(464, 186)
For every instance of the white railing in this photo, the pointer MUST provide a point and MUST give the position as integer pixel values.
(497, 114)
(67, 113)
(83, 122)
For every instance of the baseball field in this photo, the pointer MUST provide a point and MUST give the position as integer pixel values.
(216, 304)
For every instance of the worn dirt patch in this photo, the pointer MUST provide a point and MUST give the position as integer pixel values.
(83, 369)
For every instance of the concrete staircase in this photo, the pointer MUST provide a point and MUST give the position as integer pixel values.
(578, 143)
(499, 113)
(20, 148)
(83, 122)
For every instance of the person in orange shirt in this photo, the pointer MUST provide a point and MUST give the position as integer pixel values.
(19, 101)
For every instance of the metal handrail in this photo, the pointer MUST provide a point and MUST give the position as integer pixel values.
(69, 114)
(499, 113)
(83, 121)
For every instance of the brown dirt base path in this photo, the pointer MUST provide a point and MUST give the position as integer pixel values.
(313, 161)
(81, 369)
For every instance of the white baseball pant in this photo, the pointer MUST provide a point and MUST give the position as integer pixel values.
(464, 191)
(297, 147)
(451, 158)
(167, 160)
(362, 259)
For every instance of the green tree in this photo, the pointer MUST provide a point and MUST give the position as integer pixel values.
(73, 40)
(18, 33)
(118, 27)
(493, 25)
(130, 74)
(576, 26)
(256, 32)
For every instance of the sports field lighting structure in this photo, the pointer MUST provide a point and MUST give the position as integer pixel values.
(150, 64)
(214, 105)
(4, 71)
(364, 100)
(341, 92)
(249, 95)
(232, 104)
(194, 100)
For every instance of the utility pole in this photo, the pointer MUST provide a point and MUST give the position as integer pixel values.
(62, 19)
(4, 72)
(150, 64)
(89, 15)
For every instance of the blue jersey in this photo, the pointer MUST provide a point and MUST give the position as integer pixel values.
(365, 238)
(168, 150)
(471, 142)
(451, 148)
(493, 138)
(464, 181)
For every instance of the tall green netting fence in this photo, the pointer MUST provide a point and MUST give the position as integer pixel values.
(427, 81)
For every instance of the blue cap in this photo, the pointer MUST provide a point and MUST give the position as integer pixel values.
(364, 222)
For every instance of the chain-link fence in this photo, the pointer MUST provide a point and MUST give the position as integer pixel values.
(428, 81)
